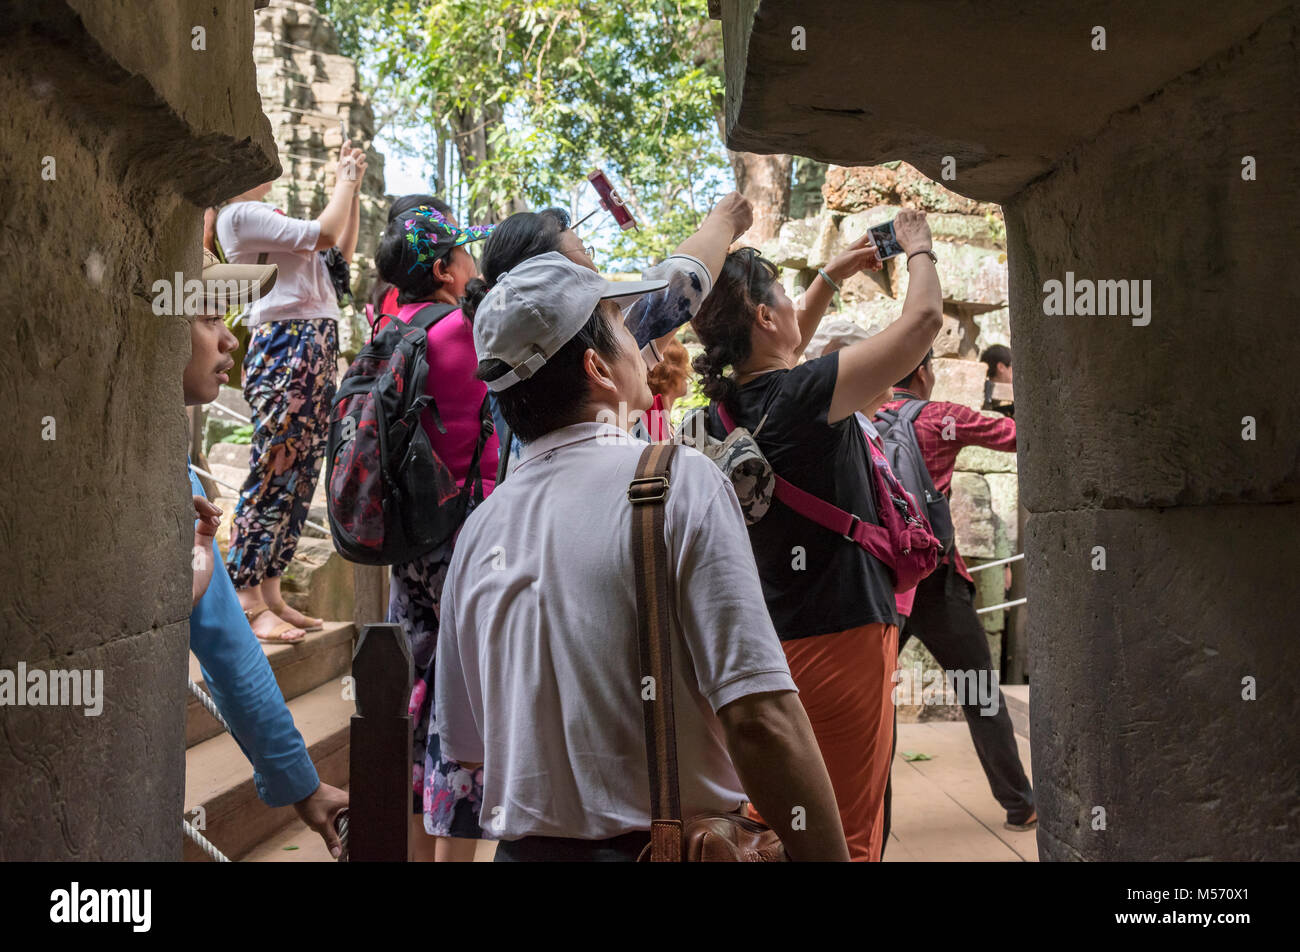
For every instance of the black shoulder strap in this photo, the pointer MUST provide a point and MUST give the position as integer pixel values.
(429, 315)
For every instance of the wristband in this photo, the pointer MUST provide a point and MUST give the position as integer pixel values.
(925, 251)
(827, 278)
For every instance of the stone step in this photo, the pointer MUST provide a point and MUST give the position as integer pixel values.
(322, 656)
(1017, 696)
(219, 778)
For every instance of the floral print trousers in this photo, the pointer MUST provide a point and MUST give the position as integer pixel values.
(289, 382)
(448, 794)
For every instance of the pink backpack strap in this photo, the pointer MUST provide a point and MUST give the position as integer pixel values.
(873, 538)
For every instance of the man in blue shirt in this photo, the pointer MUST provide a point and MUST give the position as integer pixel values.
(234, 666)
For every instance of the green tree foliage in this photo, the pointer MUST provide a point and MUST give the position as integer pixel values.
(535, 94)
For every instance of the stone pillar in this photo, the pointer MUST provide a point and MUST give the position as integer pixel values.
(120, 121)
(307, 87)
(1132, 443)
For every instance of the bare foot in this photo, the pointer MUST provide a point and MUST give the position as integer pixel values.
(295, 617)
(270, 628)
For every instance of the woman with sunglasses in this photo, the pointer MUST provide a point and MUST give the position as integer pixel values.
(832, 603)
(654, 318)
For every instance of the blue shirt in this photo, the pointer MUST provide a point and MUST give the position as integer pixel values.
(241, 682)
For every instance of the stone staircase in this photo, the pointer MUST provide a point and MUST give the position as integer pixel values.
(218, 777)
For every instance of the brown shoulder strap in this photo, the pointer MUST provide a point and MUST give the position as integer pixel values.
(261, 258)
(647, 493)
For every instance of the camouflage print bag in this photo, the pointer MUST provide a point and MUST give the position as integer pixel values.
(740, 460)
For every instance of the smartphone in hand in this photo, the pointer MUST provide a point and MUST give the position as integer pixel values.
(611, 200)
(886, 242)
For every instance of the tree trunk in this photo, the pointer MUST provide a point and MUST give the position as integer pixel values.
(470, 133)
(765, 181)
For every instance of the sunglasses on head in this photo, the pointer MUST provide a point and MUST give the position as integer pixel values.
(754, 259)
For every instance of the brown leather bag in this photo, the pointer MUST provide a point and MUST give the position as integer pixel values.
(708, 837)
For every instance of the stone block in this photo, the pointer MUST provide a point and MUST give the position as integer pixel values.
(994, 328)
(916, 190)
(950, 340)
(989, 590)
(827, 244)
(855, 189)
(863, 286)
(972, 516)
(794, 242)
(967, 274)
(978, 459)
(854, 226)
(1148, 663)
(959, 381)
(230, 454)
(984, 231)
(911, 706)
(318, 581)
(1004, 492)
(874, 314)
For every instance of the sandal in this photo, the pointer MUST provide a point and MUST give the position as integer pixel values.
(313, 624)
(277, 634)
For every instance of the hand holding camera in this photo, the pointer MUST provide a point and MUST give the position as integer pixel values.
(912, 231)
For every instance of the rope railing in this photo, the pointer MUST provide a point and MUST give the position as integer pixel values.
(236, 490)
(209, 704)
(203, 843)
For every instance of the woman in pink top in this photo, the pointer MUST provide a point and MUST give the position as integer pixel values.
(423, 256)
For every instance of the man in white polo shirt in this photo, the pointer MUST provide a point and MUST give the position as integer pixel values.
(538, 674)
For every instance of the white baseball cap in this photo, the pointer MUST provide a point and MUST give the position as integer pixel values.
(537, 306)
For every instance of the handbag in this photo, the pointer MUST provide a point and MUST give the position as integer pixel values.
(707, 837)
(902, 541)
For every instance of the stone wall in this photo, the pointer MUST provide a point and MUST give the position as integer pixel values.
(1161, 460)
(109, 146)
(307, 86)
(970, 242)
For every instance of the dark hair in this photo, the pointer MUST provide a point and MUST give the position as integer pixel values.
(997, 354)
(556, 395)
(522, 236)
(379, 286)
(407, 202)
(398, 265)
(929, 355)
(726, 319)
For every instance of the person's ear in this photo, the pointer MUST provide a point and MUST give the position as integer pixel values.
(598, 371)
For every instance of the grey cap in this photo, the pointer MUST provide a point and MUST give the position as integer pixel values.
(537, 306)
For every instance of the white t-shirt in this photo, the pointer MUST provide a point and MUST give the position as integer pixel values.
(537, 665)
(302, 288)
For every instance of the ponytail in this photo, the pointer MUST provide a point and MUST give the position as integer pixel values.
(726, 320)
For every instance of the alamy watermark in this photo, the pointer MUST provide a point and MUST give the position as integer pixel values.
(1087, 298)
(915, 685)
(57, 688)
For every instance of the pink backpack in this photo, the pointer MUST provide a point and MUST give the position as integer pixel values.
(903, 540)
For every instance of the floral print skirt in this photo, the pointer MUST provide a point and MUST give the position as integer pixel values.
(448, 794)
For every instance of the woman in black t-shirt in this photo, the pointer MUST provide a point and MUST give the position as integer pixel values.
(832, 603)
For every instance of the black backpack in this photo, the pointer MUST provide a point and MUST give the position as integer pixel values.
(898, 433)
(391, 498)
